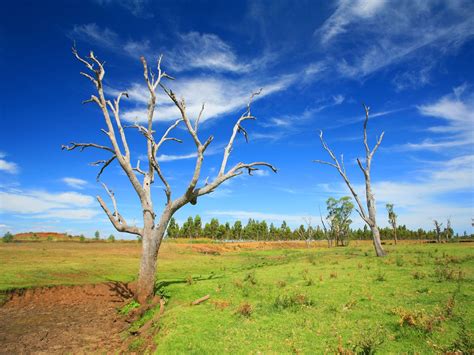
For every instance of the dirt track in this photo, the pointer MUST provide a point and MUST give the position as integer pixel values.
(63, 319)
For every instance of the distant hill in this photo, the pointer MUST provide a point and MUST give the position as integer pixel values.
(43, 237)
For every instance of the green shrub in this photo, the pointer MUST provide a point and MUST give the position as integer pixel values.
(7, 237)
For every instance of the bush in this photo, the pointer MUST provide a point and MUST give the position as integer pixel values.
(444, 273)
(7, 237)
(292, 301)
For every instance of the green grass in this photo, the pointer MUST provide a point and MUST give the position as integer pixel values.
(281, 301)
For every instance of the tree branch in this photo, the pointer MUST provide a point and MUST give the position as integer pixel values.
(83, 146)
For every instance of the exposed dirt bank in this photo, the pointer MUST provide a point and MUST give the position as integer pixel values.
(64, 319)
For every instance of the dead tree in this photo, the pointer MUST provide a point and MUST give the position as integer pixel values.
(369, 215)
(438, 230)
(448, 231)
(326, 232)
(309, 230)
(392, 219)
(141, 178)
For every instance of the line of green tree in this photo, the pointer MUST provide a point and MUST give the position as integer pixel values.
(263, 231)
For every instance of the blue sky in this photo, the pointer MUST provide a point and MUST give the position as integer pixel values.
(410, 61)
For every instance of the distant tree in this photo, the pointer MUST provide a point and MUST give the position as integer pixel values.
(228, 231)
(392, 219)
(438, 230)
(339, 212)
(7, 237)
(111, 238)
(188, 228)
(274, 232)
(448, 231)
(285, 231)
(309, 232)
(82, 238)
(97, 235)
(369, 215)
(173, 229)
(237, 230)
(197, 228)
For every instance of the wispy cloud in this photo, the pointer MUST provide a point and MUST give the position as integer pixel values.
(293, 120)
(205, 51)
(41, 204)
(220, 95)
(135, 7)
(91, 32)
(456, 110)
(389, 32)
(8, 166)
(74, 182)
(347, 12)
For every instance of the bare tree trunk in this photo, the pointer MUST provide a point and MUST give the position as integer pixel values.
(377, 242)
(372, 214)
(147, 273)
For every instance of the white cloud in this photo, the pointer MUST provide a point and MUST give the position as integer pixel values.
(389, 32)
(204, 51)
(91, 32)
(307, 114)
(456, 110)
(7, 166)
(260, 173)
(347, 12)
(165, 157)
(75, 182)
(44, 203)
(220, 95)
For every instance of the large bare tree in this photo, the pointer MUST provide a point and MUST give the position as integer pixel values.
(154, 224)
(369, 215)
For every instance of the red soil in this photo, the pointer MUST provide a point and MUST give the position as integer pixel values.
(75, 319)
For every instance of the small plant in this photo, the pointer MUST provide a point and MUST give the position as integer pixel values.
(189, 280)
(136, 345)
(359, 265)
(128, 307)
(369, 340)
(333, 275)
(291, 301)
(245, 309)
(419, 319)
(380, 277)
(251, 278)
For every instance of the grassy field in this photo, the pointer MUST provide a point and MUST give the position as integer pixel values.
(279, 300)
